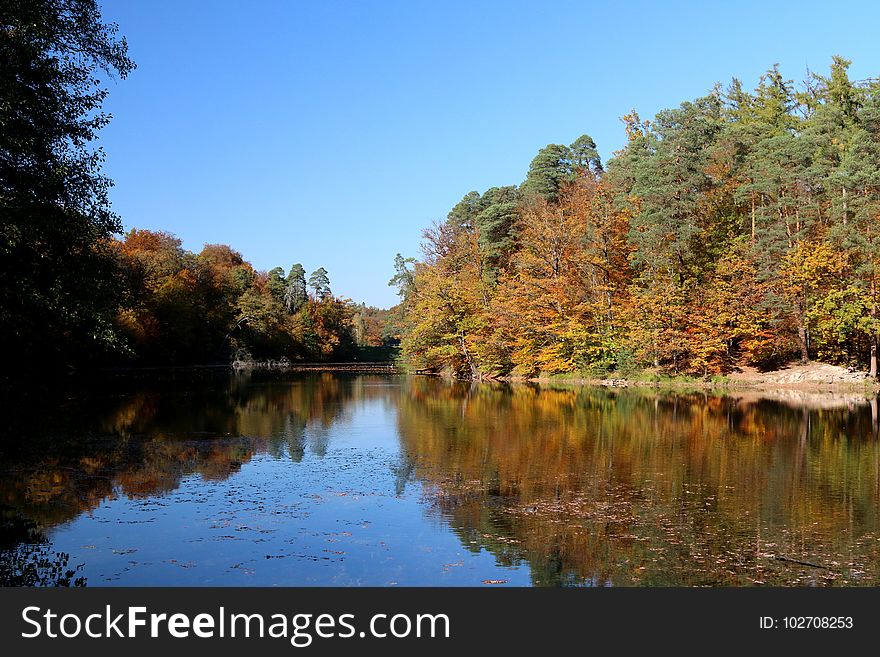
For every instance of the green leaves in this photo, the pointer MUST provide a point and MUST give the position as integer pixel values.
(741, 227)
(295, 294)
(555, 165)
(320, 283)
(60, 287)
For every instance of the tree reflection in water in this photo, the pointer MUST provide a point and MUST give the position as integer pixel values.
(585, 486)
(598, 486)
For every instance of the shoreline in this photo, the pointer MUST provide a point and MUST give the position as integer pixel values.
(822, 395)
(868, 386)
(839, 382)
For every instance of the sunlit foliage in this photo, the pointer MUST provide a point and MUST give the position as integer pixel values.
(185, 308)
(736, 229)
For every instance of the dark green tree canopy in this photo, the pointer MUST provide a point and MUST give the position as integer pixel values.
(277, 282)
(492, 216)
(496, 224)
(550, 168)
(668, 176)
(555, 165)
(584, 156)
(295, 294)
(60, 284)
(464, 215)
(320, 283)
(404, 277)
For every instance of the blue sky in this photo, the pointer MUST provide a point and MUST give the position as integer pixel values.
(333, 133)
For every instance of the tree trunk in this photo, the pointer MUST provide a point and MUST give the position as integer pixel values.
(472, 366)
(753, 220)
(873, 371)
(802, 341)
(803, 332)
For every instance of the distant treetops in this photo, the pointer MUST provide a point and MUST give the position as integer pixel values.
(181, 307)
(75, 296)
(741, 228)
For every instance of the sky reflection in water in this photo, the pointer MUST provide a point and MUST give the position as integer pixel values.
(369, 480)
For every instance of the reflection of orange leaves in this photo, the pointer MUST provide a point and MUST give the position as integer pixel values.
(272, 417)
(588, 483)
(143, 483)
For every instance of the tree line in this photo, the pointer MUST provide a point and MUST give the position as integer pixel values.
(182, 307)
(740, 228)
(75, 294)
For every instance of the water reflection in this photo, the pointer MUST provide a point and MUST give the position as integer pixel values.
(437, 483)
(145, 442)
(141, 441)
(594, 486)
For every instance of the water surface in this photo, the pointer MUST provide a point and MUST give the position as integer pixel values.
(331, 479)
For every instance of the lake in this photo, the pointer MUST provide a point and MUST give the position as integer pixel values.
(265, 479)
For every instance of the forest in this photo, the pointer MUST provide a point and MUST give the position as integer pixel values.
(179, 307)
(740, 228)
(76, 292)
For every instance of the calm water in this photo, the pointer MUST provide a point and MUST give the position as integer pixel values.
(216, 479)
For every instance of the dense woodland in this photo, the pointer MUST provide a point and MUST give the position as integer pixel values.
(740, 228)
(182, 307)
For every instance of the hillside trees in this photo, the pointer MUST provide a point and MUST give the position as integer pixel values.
(736, 229)
(183, 308)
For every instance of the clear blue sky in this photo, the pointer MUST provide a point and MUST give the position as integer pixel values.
(332, 133)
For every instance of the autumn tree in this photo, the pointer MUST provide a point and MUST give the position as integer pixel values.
(448, 307)
(553, 304)
(737, 229)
